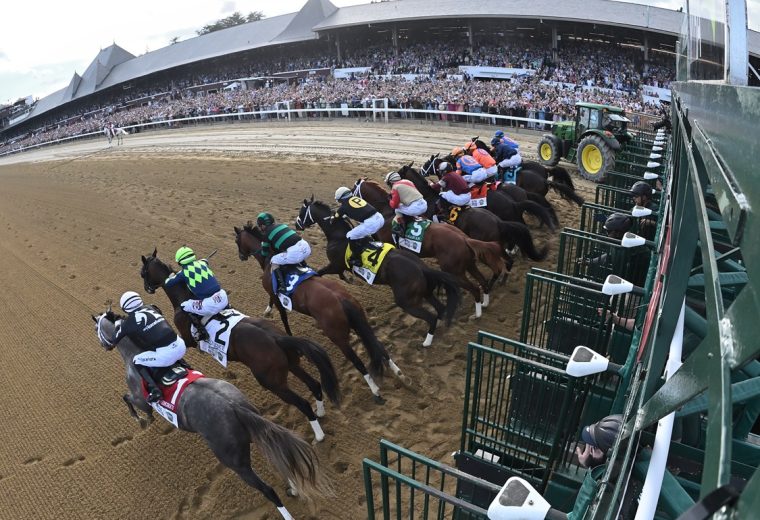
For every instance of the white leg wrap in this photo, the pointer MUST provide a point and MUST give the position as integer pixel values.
(372, 386)
(478, 309)
(486, 299)
(284, 513)
(268, 310)
(428, 340)
(318, 433)
(394, 367)
(320, 409)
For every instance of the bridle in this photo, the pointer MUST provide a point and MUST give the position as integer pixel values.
(308, 219)
(102, 337)
(151, 289)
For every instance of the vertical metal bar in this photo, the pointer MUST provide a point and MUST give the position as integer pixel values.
(736, 55)
(368, 491)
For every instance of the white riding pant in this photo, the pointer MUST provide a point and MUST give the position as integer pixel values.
(163, 356)
(295, 254)
(457, 200)
(513, 161)
(215, 303)
(481, 174)
(416, 208)
(370, 226)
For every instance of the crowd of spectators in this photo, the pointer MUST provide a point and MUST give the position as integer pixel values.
(583, 72)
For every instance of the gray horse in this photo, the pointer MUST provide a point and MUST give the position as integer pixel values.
(221, 414)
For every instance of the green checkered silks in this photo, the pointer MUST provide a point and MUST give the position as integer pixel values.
(196, 273)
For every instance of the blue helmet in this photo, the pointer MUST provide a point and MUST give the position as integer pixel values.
(499, 134)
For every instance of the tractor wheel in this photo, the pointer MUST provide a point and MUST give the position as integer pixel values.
(595, 158)
(549, 150)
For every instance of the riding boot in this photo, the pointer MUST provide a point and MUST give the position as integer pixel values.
(154, 392)
(197, 320)
(280, 279)
(356, 252)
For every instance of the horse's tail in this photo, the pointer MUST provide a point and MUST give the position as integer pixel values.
(562, 183)
(291, 456)
(520, 235)
(376, 350)
(489, 253)
(541, 201)
(435, 279)
(562, 176)
(538, 211)
(318, 356)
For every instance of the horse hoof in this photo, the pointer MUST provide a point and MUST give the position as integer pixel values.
(320, 411)
(378, 399)
(406, 381)
(268, 311)
(291, 492)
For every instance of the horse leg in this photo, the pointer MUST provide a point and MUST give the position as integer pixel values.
(282, 391)
(440, 308)
(341, 340)
(142, 405)
(475, 273)
(313, 385)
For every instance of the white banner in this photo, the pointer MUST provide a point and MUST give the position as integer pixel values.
(346, 73)
(495, 72)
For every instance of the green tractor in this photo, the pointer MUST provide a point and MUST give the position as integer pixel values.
(591, 140)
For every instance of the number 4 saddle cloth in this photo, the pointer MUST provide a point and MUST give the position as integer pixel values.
(372, 259)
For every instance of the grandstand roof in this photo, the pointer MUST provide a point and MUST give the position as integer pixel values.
(605, 12)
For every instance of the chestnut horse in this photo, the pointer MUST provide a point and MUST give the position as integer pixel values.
(334, 309)
(455, 252)
(411, 281)
(257, 344)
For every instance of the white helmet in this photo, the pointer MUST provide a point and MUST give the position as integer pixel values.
(342, 192)
(392, 177)
(130, 301)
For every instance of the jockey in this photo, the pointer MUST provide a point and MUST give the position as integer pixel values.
(285, 245)
(210, 298)
(500, 137)
(467, 166)
(370, 221)
(617, 225)
(452, 187)
(508, 159)
(484, 160)
(406, 199)
(148, 330)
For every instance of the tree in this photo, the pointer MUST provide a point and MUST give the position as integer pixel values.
(231, 21)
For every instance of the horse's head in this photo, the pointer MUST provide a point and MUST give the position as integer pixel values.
(249, 239)
(105, 323)
(304, 219)
(154, 272)
(430, 166)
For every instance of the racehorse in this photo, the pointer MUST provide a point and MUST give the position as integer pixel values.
(456, 253)
(220, 413)
(334, 309)
(112, 132)
(411, 281)
(258, 344)
(499, 201)
(536, 178)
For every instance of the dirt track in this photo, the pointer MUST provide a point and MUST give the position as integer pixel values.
(74, 221)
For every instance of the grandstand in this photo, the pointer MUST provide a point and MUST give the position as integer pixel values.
(619, 53)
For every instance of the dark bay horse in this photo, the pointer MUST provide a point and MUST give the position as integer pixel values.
(536, 178)
(455, 252)
(411, 281)
(334, 309)
(268, 353)
(500, 201)
(220, 413)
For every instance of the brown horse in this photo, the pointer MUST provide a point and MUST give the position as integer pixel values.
(257, 344)
(411, 281)
(455, 252)
(334, 309)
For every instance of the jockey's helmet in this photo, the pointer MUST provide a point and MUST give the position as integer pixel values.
(444, 167)
(264, 219)
(342, 192)
(641, 189)
(469, 146)
(499, 134)
(618, 222)
(603, 433)
(457, 151)
(184, 256)
(392, 177)
(130, 301)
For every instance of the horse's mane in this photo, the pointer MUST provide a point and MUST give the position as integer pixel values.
(248, 226)
(322, 205)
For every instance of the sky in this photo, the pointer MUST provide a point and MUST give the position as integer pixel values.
(42, 43)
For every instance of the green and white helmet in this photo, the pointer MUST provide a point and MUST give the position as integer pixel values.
(265, 219)
(184, 256)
